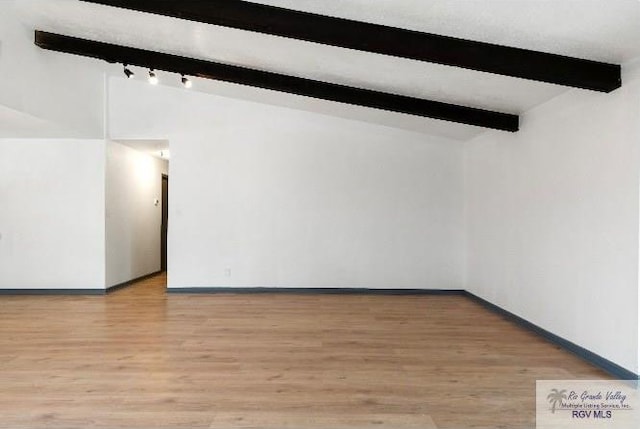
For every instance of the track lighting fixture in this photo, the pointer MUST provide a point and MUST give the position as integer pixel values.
(153, 79)
(185, 81)
(127, 72)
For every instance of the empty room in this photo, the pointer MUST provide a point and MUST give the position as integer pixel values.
(319, 215)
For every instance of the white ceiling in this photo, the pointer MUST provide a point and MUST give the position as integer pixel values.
(605, 30)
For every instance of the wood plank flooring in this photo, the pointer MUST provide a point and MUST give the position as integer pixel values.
(139, 358)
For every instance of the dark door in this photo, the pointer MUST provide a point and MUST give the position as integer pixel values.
(165, 218)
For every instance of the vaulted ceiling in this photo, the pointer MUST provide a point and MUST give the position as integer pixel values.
(603, 31)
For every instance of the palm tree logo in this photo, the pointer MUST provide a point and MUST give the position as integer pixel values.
(555, 398)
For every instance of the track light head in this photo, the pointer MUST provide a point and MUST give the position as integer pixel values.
(127, 72)
(186, 82)
(153, 79)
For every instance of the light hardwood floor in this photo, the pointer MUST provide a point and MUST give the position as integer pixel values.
(139, 358)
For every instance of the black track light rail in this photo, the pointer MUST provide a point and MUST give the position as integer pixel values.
(277, 82)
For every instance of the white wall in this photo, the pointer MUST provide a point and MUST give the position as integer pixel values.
(52, 214)
(133, 221)
(552, 219)
(53, 95)
(268, 196)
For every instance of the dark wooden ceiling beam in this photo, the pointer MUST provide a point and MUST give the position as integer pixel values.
(381, 39)
(278, 82)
